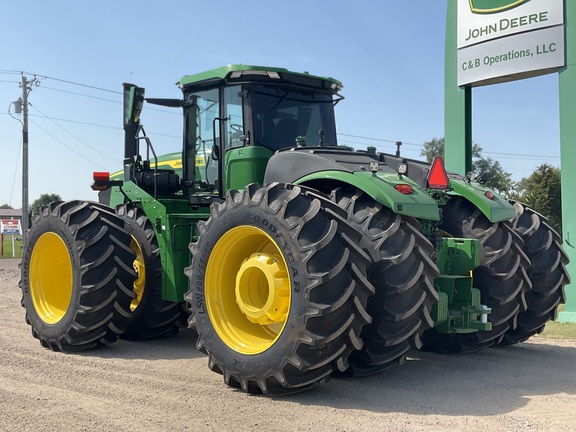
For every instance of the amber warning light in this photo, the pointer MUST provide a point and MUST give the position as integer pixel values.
(437, 177)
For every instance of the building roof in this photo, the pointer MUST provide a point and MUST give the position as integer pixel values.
(10, 213)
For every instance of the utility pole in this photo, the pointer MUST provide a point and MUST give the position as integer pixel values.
(26, 87)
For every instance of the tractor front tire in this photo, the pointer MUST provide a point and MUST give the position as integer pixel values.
(77, 276)
(403, 276)
(501, 277)
(543, 245)
(150, 316)
(278, 293)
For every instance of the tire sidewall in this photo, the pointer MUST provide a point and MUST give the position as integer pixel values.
(54, 224)
(294, 329)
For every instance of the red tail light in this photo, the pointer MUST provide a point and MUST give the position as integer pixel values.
(101, 176)
(437, 177)
(405, 189)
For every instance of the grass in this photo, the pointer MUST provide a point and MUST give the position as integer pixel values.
(8, 247)
(557, 330)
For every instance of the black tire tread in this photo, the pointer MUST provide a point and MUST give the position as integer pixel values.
(403, 275)
(543, 246)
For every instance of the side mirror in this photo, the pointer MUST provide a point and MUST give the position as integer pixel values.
(133, 103)
(215, 153)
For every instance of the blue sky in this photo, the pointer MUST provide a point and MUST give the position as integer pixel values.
(389, 55)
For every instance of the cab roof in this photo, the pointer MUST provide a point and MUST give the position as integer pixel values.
(243, 73)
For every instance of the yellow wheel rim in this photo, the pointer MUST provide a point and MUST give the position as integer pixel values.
(247, 290)
(140, 282)
(50, 278)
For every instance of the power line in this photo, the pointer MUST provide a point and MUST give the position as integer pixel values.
(146, 108)
(81, 85)
(69, 148)
(71, 134)
(515, 155)
(81, 94)
(378, 139)
(77, 122)
(521, 156)
(101, 125)
(60, 80)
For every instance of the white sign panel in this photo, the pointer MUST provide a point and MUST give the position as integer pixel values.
(10, 226)
(537, 50)
(476, 22)
(502, 40)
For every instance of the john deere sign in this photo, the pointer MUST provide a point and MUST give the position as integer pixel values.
(502, 40)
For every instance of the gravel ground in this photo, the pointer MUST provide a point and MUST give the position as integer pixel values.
(165, 385)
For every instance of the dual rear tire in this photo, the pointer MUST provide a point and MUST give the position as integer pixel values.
(402, 273)
(501, 277)
(77, 276)
(90, 275)
(521, 276)
(150, 315)
(548, 274)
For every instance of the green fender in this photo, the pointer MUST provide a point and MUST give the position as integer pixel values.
(496, 209)
(380, 186)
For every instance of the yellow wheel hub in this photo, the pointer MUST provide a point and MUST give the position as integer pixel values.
(50, 278)
(139, 267)
(247, 290)
(261, 291)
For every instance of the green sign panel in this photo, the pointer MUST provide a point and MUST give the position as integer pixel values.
(493, 6)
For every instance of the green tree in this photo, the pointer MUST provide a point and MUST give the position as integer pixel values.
(541, 191)
(488, 171)
(44, 199)
(435, 147)
(491, 174)
(5, 206)
(432, 149)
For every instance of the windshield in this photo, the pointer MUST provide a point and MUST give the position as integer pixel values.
(283, 115)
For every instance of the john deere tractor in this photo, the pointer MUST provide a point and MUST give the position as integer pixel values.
(294, 258)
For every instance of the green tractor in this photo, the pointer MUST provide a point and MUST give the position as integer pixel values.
(295, 259)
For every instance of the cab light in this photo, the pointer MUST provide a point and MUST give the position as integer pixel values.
(101, 176)
(489, 195)
(405, 189)
(437, 177)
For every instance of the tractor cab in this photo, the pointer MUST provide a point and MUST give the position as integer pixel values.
(236, 117)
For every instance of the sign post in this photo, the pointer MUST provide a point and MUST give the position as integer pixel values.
(567, 90)
(496, 41)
